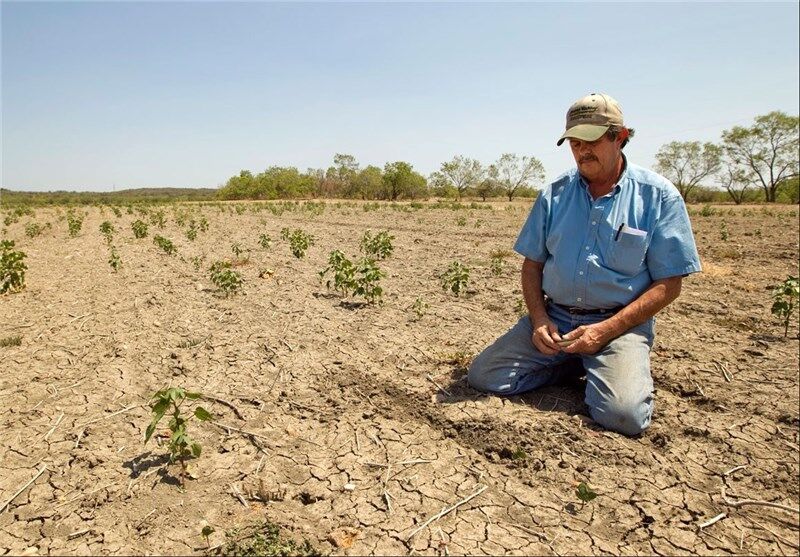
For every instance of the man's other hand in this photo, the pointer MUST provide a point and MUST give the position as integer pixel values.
(545, 337)
(586, 339)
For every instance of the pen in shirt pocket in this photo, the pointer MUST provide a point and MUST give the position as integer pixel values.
(619, 231)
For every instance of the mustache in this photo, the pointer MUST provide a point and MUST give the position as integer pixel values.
(587, 158)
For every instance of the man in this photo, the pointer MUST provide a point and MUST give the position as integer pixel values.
(606, 247)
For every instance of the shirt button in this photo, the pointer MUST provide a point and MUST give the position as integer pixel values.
(580, 272)
(579, 299)
(594, 222)
(586, 248)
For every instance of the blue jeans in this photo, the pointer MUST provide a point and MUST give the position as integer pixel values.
(619, 388)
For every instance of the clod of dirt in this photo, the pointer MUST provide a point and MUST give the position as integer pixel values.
(343, 538)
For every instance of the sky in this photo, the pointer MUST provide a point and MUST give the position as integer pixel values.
(102, 96)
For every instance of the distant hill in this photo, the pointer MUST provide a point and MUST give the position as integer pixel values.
(148, 195)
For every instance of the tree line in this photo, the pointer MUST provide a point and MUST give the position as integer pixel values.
(511, 175)
(755, 163)
(760, 158)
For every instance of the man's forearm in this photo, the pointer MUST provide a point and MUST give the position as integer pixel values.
(658, 296)
(532, 289)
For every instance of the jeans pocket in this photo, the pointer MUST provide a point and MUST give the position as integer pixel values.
(627, 253)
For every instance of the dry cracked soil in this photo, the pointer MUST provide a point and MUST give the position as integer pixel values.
(351, 425)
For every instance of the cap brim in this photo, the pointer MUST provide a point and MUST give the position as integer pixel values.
(584, 132)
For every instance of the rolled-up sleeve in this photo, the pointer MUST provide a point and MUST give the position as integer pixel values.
(531, 240)
(672, 251)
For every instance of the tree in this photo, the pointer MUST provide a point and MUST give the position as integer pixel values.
(400, 180)
(242, 186)
(341, 176)
(512, 173)
(463, 173)
(768, 149)
(368, 182)
(486, 188)
(735, 181)
(441, 186)
(686, 164)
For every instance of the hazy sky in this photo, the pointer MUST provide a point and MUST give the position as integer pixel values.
(98, 95)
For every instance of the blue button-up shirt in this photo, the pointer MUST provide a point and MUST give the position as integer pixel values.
(603, 253)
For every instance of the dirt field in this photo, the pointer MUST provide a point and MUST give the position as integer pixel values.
(363, 425)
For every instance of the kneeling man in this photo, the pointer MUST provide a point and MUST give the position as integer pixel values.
(606, 247)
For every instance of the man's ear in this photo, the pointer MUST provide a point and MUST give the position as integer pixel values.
(624, 134)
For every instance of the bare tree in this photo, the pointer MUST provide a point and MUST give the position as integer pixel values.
(512, 172)
(686, 164)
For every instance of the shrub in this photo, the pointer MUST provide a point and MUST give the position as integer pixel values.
(362, 279)
(12, 268)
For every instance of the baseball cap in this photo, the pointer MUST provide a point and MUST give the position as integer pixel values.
(590, 117)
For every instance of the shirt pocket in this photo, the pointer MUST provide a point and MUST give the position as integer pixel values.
(627, 253)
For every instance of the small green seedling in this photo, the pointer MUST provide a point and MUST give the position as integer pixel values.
(165, 244)
(191, 232)
(157, 218)
(344, 273)
(455, 278)
(368, 275)
(139, 228)
(585, 493)
(197, 261)
(74, 223)
(299, 242)
(107, 230)
(496, 265)
(264, 241)
(419, 307)
(114, 259)
(206, 532)
(33, 229)
(786, 296)
(378, 246)
(461, 221)
(181, 446)
(225, 278)
(12, 268)
(203, 224)
(15, 340)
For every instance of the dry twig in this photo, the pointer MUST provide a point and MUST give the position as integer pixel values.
(24, 487)
(754, 502)
(444, 511)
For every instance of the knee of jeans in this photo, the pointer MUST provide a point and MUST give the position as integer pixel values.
(626, 417)
(477, 373)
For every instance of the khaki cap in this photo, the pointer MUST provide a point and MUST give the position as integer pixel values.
(590, 117)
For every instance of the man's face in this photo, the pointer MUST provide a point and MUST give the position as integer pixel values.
(597, 159)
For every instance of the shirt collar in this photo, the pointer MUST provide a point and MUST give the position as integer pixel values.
(618, 186)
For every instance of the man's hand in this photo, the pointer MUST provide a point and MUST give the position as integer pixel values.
(586, 339)
(545, 337)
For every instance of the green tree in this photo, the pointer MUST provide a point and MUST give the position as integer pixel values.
(401, 181)
(369, 182)
(486, 188)
(340, 178)
(736, 182)
(687, 163)
(512, 173)
(463, 173)
(768, 149)
(238, 187)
